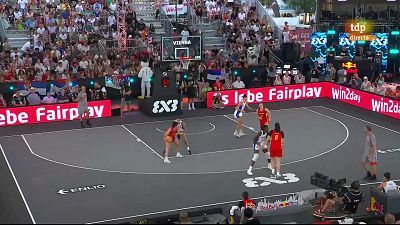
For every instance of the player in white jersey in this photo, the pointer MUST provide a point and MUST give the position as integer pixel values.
(260, 143)
(240, 109)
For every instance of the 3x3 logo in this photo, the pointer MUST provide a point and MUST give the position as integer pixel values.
(165, 106)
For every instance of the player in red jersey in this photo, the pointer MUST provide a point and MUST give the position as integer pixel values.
(170, 137)
(246, 203)
(264, 116)
(275, 138)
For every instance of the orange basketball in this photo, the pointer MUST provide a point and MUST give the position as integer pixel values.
(168, 139)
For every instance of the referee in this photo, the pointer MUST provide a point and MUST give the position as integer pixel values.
(370, 158)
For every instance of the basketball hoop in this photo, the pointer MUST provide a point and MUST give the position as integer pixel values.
(185, 62)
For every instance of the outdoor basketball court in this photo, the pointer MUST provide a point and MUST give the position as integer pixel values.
(114, 173)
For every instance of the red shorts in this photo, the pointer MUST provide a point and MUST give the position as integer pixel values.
(276, 153)
(263, 123)
(169, 140)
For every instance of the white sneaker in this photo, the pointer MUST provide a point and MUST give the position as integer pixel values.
(241, 134)
(179, 155)
(269, 166)
(167, 161)
(249, 172)
(273, 171)
(235, 134)
(193, 107)
(190, 108)
(278, 175)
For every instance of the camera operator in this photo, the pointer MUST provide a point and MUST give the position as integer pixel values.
(348, 203)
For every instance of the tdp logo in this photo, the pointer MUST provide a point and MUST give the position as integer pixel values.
(359, 28)
(165, 106)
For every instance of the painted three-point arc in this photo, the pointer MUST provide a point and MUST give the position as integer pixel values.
(81, 189)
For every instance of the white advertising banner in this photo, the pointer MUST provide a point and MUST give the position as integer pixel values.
(171, 9)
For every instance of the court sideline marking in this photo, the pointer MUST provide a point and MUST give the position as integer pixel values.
(204, 173)
(205, 206)
(191, 134)
(132, 124)
(139, 140)
(18, 187)
(356, 118)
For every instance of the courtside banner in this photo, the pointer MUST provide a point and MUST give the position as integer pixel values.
(365, 100)
(271, 94)
(51, 113)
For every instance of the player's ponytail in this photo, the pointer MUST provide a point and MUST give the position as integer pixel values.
(277, 127)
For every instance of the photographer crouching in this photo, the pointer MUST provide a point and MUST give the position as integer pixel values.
(348, 204)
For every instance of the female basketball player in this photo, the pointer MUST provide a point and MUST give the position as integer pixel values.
(170, 137)
(275, 138)
(260, 143)
(264, 116)
(240, 110)
(181, 134)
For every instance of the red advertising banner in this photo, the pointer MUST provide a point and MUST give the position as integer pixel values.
(271, 94)
(365, 100)
(51, 113)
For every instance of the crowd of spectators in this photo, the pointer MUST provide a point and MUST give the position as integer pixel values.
(72, 39)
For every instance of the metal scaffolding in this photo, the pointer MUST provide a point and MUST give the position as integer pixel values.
(121, 24)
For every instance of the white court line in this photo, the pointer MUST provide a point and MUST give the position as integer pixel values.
(143, 123)
(141, 141)
(17, 184)
(356, 118)
(192, 134)
(216, 152)
(250, 128)
(203, 173)
(205, 206)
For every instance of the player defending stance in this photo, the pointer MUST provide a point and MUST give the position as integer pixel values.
(170, 137)
(260, 142)
(275, 138)
(240, 110)
(181, 134)
(264, 116)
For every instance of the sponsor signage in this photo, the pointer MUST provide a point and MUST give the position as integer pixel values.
(372, 102)
(268, 205)
(170, 10)
(51, 113)
(270, 94)
(81, 189)
(360, 30)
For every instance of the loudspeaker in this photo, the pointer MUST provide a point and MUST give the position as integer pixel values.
(164, 84)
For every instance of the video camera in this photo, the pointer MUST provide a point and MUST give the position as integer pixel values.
(329, 184)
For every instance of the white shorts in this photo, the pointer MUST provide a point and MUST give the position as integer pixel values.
(238, 114)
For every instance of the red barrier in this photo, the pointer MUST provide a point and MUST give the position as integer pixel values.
(271, 94)
(51, 113)
(365, 100)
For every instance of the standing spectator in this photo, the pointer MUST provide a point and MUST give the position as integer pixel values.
(83, 107)
(18, 100)
(49, 99)
(3, 103)
(33, 98)
(248, 217)
(99, 93)
(356, 82)
(366, 85)
(287, 79)
(191, 91)
(126, 101)
(315, 73)
(238, 84)
(204, 91)
(330, 73)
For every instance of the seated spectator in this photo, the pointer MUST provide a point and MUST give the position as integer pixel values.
(355, 82)
(62, 97)
(184, 218)
(390, 219)
(217, 102)
(366, 85)
(33, 98)
(373, 88)
(49, 99)
(248, 217)
(204, 91)
(349, 203)
(388, 185)
(390, 93)
(299, 78)
(315, 73)
(287, 79)
(397, 94)
(3, 103)
(238, 84)
(228, 84)
(278, 81)
(18, 100)
(255, 83)
(218, 85)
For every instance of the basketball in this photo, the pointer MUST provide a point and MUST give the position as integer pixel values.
(168, 139)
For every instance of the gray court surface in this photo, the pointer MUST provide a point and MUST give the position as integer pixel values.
(108, 174)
